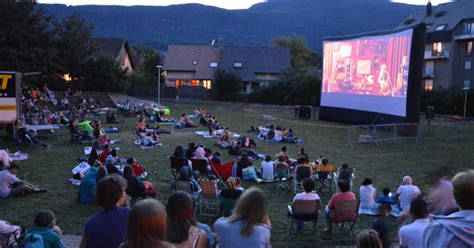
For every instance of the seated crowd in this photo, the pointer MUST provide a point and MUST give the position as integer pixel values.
(442, 218)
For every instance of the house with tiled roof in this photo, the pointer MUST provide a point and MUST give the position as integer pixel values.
(448, 53)
(117, 48)
(195, 65)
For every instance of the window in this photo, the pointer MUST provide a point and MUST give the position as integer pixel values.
(195, 62)
(439, 14)
(469, 49)
(178, 83)
(429, 67)
(207, 84)
(237, 65)
(428, 84)
(467, 83)
(195, 83)
(213, 64)
(467, 64)
(469, 27)
(440, 27)
(437, 49)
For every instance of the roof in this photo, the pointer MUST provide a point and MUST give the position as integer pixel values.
(181, 58)
(109, 46)
(449, 14)
(255, 60)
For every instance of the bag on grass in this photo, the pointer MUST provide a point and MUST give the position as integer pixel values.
(249, 174)
(33, 240)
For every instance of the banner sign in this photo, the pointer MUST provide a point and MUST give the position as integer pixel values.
(8, 96)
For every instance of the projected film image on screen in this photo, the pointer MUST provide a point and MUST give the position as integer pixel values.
(367, 73)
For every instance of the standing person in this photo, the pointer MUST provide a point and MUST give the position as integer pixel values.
(182, 228)
(411, 235)
(107, 228)
(45, 226)
(455, 230)
(147, 226)
(302, 153)
(407, 192)
(10, 185)
(249, 225)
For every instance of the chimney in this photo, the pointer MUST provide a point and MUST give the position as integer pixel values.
(429, 9)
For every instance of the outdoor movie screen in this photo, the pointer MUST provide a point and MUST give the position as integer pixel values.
(367, 73)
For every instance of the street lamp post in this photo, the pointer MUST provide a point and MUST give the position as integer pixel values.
(466, 89)
(159, 82)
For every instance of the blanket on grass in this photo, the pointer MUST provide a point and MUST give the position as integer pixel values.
(205, 134)
(289, 141)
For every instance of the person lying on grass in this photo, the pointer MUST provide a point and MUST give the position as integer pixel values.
(10, 185)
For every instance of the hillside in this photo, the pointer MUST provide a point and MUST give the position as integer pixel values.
(199, 24)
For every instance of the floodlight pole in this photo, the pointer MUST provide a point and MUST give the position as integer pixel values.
(466, 89)
(159, 82)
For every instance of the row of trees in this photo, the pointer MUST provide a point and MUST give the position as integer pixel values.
(32, 41)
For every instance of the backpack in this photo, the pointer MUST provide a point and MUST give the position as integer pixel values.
(33, 240)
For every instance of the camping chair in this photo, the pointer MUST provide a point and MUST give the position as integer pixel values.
(301, 173)
(227, 205)
(209, 198)
(185, 186)
(304, 210)
(325, 172)
(346, 212)
(336, 179)
(199, 168)
(223, 171)
(176, 164)
(9, 240)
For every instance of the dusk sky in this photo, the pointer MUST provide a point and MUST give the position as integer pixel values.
(227, 4)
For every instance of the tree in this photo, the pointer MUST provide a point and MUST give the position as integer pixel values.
(25, 37)
(145, 72)
(301, 55)
(72, 39)
(226, 84)
(106, 74)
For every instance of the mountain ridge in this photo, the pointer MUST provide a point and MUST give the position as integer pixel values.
(159, 26)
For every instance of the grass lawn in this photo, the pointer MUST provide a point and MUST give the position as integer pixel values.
(386, 164)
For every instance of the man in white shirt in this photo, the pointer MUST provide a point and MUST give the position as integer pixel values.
(411, 236)
(407, 192)
(307, 195)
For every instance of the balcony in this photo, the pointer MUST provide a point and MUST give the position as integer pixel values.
(428, 75)
(429, 55)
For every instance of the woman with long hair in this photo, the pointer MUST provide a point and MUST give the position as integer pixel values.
(249, 225)
(146, 226)
(182, 228)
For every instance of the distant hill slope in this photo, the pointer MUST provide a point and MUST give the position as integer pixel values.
(199, 24)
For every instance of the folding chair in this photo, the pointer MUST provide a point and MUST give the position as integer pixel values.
(325, 172)
(199, 168)
(209, 198)
(346, 212)
(301, 173)
(9, 240)
(176, 164)
(185, 186)
(227, 205)
(304, 210)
